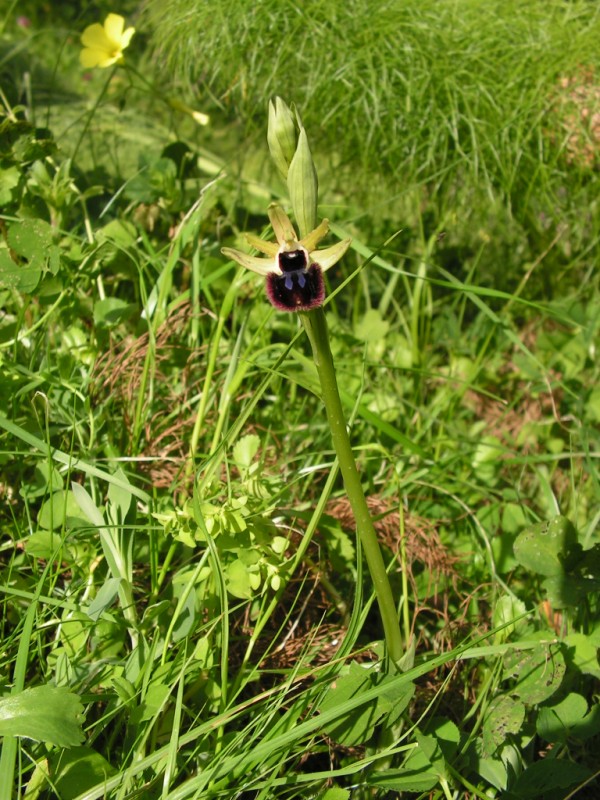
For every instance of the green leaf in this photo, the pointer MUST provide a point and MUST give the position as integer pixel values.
(50, 714)
(568, 591)
(46, 479)
(77, 770)
(104, 598)
(154, 700)
(372, 327)
(237, 579)
(537, 672)
(568, 719)
(244, 451)
(23, 277)
(583, 652)
(546, 775)
(506, 610)
(46, 545)
(335, 793)
(61, 509)
(120, 499)
(544, 547)
(504, 717)
(406, 780)
(356, 726)
(9, 180)
(112, 311)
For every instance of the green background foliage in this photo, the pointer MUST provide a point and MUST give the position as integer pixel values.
(185, 610)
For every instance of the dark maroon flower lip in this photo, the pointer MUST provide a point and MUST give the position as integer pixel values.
(296, 289)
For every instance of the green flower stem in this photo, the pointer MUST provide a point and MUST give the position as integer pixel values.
(316, 328)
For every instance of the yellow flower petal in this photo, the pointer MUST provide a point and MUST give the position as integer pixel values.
(89, 58)
(94, 36)
(113, 25)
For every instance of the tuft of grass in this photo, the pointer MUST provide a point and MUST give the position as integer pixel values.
(456, 98)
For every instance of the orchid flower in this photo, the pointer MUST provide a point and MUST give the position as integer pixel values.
(294, 267)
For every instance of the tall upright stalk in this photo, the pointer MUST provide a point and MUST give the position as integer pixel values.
(315, 325)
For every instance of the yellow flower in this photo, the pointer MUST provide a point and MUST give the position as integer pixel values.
(104, 44)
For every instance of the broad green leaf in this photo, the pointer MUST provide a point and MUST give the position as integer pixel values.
(46, 479)
(237, 579)
(78, 769)
(46, 545)
(61, 509)
(547, 775)
(105, 597)
(405, 780)
(50, 714)
(120, 498)
(31, 239)
(504, 717)
(112, 311)
(24, 277)
(592, 405)
(356, 726)
(537, 672)
(336, 793)
(371, 328)
(568, 719)
(154, 700)
(494, 771)
(9, 180)
(544, 547)
(568, 591)
(583, 652)
(506, 610)
(278, 544)
(245, 450)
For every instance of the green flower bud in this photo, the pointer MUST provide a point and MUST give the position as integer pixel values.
(303, 186)
(281, 135)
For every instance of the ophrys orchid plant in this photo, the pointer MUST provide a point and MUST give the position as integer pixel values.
(293, 268)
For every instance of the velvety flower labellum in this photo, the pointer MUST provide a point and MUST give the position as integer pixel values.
(300, 287)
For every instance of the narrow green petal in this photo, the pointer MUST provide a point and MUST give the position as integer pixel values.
(282, 227)
(311, 240)
(330, 255)
(262, 266)
(268, 248)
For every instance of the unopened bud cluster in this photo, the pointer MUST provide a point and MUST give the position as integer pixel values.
(291, 154)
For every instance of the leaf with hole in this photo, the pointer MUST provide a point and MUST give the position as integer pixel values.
(544, 547)
(537, 673)
(504, 718)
